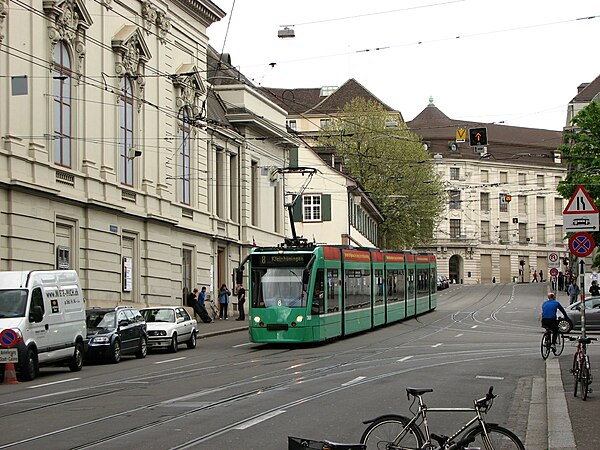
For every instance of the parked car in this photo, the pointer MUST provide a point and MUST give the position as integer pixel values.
(592, 315)
(113, 332)
(169, 326)
(442, 282)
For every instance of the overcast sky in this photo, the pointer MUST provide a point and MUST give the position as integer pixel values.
(517, 61)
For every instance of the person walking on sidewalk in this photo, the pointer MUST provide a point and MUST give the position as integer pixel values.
(549, 320)
(535, 280)
(224, 294)
(241, 295)
(573, 292)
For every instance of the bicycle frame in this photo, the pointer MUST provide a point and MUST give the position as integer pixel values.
(422, 414)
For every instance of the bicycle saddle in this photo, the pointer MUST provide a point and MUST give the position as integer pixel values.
(418, 391)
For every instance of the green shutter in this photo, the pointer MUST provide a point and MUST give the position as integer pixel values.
(294, 157)
(297, 211)
(326, 207)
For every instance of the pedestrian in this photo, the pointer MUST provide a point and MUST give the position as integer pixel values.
(561, 281)
(541, 276)
(224, 294)
(535, 277)
(200, 307)
(573, 292)
(594, 288)
(190, 299)
(241, 295)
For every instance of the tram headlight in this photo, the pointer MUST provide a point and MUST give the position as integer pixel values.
(299, 319)
(256, 319)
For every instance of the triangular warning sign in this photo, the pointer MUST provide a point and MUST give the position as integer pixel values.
(580, 203)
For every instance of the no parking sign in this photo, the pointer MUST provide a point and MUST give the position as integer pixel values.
(581, 244)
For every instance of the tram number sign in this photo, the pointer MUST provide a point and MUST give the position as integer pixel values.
(581, 244)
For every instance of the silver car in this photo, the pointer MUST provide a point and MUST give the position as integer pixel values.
(169, 326)
(592, 315)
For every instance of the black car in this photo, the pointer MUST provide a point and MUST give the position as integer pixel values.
(113, 332)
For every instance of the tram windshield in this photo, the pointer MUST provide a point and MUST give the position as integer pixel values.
(278, 287)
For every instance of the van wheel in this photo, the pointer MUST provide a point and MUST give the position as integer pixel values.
(192, 342)
(76, 362)
(143, 350)
(115, 355)
(29, 368)
(174, 347)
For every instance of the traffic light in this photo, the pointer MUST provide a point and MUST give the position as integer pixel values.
(477, 137)
(522, 262)
(565, 261)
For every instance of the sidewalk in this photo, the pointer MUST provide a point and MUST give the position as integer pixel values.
(217, 327)
(557, 419)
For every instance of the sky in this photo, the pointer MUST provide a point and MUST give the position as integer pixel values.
(517, 62)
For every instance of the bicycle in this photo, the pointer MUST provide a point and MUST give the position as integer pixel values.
(395, 432)
(581, 369)
(546, 344)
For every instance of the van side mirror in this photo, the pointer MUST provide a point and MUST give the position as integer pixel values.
(36, 314)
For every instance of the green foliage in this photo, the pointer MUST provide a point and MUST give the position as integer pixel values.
(393, 167)
(582, 154)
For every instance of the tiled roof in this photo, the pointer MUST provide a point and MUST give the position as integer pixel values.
(517, 144)
(587, 94)
(302, 101)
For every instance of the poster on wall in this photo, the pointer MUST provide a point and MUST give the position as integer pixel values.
(127, 273)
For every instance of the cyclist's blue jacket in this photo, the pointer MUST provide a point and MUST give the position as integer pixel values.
(549, 309)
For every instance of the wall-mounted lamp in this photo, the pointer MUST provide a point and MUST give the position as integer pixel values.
(134, 153)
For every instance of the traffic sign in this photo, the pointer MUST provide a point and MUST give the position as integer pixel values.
(581, 244)
(8, 338)
(580, 203)
(554, 272)
(477, 136)
(9, 355)
(461, 135)
(581, 222)
(553, 259)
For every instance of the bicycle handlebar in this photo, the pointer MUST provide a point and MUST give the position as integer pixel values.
(483, 402)
(586, 340)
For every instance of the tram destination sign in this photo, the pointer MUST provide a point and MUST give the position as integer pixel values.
(280, 259)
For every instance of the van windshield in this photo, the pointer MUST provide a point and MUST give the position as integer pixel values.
(13, 302)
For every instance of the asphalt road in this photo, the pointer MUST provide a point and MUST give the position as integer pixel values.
(229, 393)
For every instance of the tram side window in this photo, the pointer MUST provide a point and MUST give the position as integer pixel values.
(332, 290)
(379, 281)
(411, 283)
(422, 281)
(358, 288)
(432, 280)
(318, 300)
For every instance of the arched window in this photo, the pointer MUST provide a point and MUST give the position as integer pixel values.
(126, 132)
(184, 156)
(62, 105)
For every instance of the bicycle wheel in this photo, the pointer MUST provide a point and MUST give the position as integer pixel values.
(575, 372)
(546, 344)
(584, 378)
(390, 432)
(498, 438)
(560, 344)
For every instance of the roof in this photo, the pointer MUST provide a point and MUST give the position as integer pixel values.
(309, 100)
(588, 93)
(504, 141)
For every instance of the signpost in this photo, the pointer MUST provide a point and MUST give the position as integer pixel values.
(8, 339)
(553, 259)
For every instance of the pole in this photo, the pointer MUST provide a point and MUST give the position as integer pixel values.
(582, 275)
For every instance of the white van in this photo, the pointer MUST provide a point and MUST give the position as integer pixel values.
(47, 310)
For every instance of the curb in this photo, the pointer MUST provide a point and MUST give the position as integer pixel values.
(219, 332)
(560, 430)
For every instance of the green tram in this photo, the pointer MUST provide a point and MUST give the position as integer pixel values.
(314, 293)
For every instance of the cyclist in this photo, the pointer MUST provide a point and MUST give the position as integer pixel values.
(549, 320)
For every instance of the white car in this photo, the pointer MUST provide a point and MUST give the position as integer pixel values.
(169, 326)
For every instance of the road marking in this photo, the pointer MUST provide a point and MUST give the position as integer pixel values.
(356, 380)
(260, 419)
(486, 319)
(243, 345)
(474, 326)
(488, 377)
(458, 335)
(436, 345)
(54, 382)
(406, 358)
(169, 360)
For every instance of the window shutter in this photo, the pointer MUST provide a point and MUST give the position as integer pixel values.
(297, 210)
(294, 157)
(326, 207)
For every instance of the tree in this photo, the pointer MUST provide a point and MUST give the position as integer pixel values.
(582, 154)
(393, 167)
